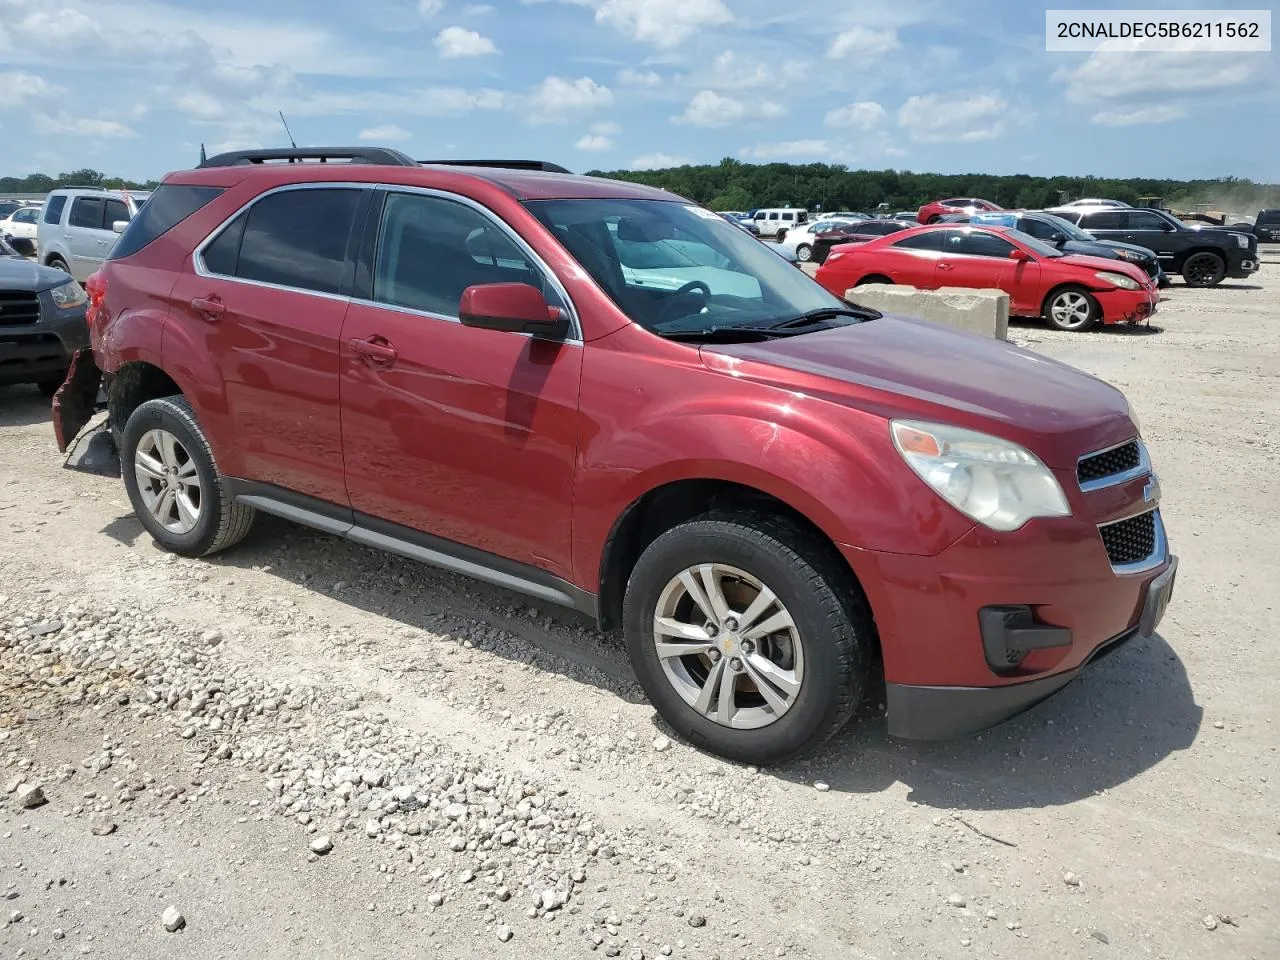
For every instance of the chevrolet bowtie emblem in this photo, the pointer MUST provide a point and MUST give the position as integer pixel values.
(1151, 492)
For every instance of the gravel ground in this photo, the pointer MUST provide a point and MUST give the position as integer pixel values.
(304, 748)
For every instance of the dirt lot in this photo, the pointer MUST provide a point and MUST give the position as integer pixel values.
(310, 749)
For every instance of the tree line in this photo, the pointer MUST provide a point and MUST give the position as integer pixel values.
(43, 183)
(734, 185)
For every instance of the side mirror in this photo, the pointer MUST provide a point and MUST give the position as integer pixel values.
(118, 225)
(1057, 238)
(514, 308)
(1020, 256)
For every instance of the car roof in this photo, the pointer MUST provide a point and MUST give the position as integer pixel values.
(519, 183)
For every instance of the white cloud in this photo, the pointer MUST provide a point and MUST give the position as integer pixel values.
(65, 124)
(863, 115)
(1158, 113)
(787, 150)
(430, 8)
(556, 99)
(664, 23)
(605, 128)
(733, 71)
(864, 42)
(201, 106)
(639, 78)
(20, 89)
(1155, 75)
(710, 109)
(421, 102)
(460, 42)
(657, 161)
(477, 10)
(385, 134)
(593, 142)
(941, 118)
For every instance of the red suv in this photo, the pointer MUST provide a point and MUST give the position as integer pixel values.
(604, 396)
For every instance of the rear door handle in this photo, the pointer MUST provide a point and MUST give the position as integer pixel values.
(209, 308)
(945, 266)
(376, 351)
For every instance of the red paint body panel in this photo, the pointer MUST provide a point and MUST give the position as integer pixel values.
(940, 208)
(532, 450)
(1028, 282)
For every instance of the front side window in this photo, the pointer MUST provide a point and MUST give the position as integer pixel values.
(977, 243)
(296, 238)
(115, 210)
(430, 249)
(53, 212)
(87, 212)
(676, 268)
(25, 215)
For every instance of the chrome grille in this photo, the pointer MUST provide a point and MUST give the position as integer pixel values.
(1130, 541)
(1109, 463)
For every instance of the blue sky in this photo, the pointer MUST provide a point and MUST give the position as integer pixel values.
(132, 87)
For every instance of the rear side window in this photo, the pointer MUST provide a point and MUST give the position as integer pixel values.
(922, 241)
(53, 212)
(296, 238)
(86, 212)
(1103, 221)
(1139, 220)
(167, 207)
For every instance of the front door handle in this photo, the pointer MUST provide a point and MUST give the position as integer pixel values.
(945, 266)
(208, 308)
(376, 351)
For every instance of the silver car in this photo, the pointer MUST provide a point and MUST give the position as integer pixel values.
(79, 226)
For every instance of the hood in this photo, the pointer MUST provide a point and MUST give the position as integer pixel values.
(1100, 248)
(1108, 264)
(29, 276)
(897, 366)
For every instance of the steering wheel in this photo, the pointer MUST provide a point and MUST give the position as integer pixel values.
(685, 292)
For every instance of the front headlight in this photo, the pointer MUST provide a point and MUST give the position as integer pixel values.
(1242, 240)
(997, 483)
(1118, 280)
(68, 295)
(1131, 255)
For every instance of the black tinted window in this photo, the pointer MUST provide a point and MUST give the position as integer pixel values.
(431, 249)
(220, 256)
(53, 214)
(1067, 215)
(977, 243)
(1141, 220)
(932, 240)
(1108, 220)
(165, 209)
(298, 238)
(115, 210)
(87, 212)
(1269, 216)
(1037, 228)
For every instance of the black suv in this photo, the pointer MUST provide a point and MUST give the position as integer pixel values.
(1205, 256)
(1267, 226)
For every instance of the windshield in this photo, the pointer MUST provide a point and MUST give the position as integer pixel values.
(677, 268)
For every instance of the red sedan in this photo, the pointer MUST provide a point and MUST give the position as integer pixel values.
(970, 205)
(1071, 291)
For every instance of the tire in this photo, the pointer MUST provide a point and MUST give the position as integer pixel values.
(804, 253)
(873, 278)
(1073, 309)
(781, 235)
(219, 522)
(59, 264)
(828, 647)
(1204, 269)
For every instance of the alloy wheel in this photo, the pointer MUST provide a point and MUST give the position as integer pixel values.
(1201, 270)
(804, 253)
(1070, 309)
(168, 481)
(728, 646)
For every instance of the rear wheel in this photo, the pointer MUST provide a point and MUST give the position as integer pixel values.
(59, 264)
(1204, 270)
(781, 235)
(1072, 309)
(874, 278)
(804, 253)
(174, 484)
(738, 633)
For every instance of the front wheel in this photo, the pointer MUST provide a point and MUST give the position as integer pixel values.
(780, 235)
(1072, 309)
(739, 635)
(1204, 270)
(174, 484)
(804, 253)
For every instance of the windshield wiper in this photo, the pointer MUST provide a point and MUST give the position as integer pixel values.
(728, 334)
(827, 313)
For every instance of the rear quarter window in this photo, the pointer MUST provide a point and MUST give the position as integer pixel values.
(167, 207)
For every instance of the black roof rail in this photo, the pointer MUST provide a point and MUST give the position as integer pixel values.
(376, 156)
(543, 165)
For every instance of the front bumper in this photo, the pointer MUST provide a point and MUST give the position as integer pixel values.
(1245, 268)
(1126, 306)
(32, 352)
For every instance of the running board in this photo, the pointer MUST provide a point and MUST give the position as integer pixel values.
(414, 545)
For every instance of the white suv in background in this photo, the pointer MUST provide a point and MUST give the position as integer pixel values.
(77, 226)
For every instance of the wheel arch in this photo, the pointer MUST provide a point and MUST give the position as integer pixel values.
(1058, 288)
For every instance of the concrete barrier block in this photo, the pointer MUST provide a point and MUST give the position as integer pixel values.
(980, 311)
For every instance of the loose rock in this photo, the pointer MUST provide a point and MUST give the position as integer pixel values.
(30, 796)
(172, 919)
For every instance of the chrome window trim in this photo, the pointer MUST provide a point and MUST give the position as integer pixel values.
(1133, 473)
(1159, 553)
(197, 256)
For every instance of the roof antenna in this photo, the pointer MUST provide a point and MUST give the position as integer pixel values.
(286, 129)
